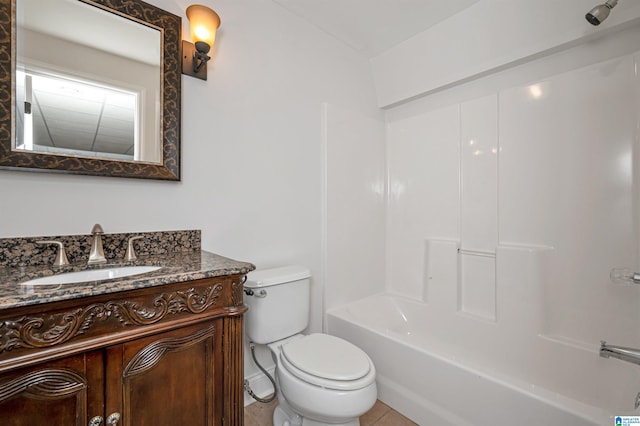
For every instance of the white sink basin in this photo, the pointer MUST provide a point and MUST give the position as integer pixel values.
(92, 275)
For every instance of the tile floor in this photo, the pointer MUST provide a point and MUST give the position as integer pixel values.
(380, 415)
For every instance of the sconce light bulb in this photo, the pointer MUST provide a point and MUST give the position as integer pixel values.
(201, 33)
(204, 23)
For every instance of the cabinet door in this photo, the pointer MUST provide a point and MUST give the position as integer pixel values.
(61, 392)
(168, 379)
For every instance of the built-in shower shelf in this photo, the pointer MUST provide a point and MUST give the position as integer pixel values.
(481, 253)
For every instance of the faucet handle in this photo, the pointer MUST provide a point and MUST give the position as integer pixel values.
(61, 257)
(131, 253)
(97, 229)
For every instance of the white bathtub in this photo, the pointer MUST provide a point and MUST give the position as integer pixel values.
(434, 390)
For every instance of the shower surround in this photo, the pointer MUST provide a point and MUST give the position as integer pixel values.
(507, 202)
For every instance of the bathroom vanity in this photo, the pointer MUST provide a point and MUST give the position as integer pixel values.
(161, 348)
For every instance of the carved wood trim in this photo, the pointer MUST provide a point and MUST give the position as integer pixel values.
(198, 303)
(54, 383)
(48, 330)
(234, 372)
(237, 293)
(151, 355)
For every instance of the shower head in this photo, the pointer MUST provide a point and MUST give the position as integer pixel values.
(600, 12)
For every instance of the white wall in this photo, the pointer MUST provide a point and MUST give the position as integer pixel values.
(251, 150)
(355, 191)
(535, 168)
(486, 37)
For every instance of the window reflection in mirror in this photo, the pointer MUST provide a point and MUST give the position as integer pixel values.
(58, 114)
(88, 92)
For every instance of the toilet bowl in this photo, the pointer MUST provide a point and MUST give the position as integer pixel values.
(321, 379)
(325, 379)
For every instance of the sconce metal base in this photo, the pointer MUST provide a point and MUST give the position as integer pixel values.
(189, 61)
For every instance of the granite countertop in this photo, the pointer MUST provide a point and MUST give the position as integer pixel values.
(175, 268)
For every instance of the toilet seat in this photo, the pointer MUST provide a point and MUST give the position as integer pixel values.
(328, 361)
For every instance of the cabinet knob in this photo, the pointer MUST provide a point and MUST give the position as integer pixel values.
(96, 421)
(113, 419)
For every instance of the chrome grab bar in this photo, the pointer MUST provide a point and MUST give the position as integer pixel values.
(625, 354)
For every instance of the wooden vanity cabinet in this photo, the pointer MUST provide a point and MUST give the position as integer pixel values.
(168, 355)
(56, 392)
(171, 378)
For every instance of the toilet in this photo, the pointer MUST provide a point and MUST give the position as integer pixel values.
(321, 379)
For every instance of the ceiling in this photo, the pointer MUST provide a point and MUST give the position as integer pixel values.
(374, 26)
(89, 25)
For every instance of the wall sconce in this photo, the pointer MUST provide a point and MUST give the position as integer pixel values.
(203, 23)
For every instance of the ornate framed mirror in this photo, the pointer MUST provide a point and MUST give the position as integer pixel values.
(80, 95)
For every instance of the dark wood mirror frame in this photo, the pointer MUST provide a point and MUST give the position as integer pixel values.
(170, 26)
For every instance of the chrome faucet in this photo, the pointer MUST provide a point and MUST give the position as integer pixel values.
(61, 257)
(625, 354)
(97, 252)
(130, 255)
(631, 355)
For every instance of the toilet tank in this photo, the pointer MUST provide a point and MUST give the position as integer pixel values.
(279, 304)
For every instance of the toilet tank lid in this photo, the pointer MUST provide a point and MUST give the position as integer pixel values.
(274, 276)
